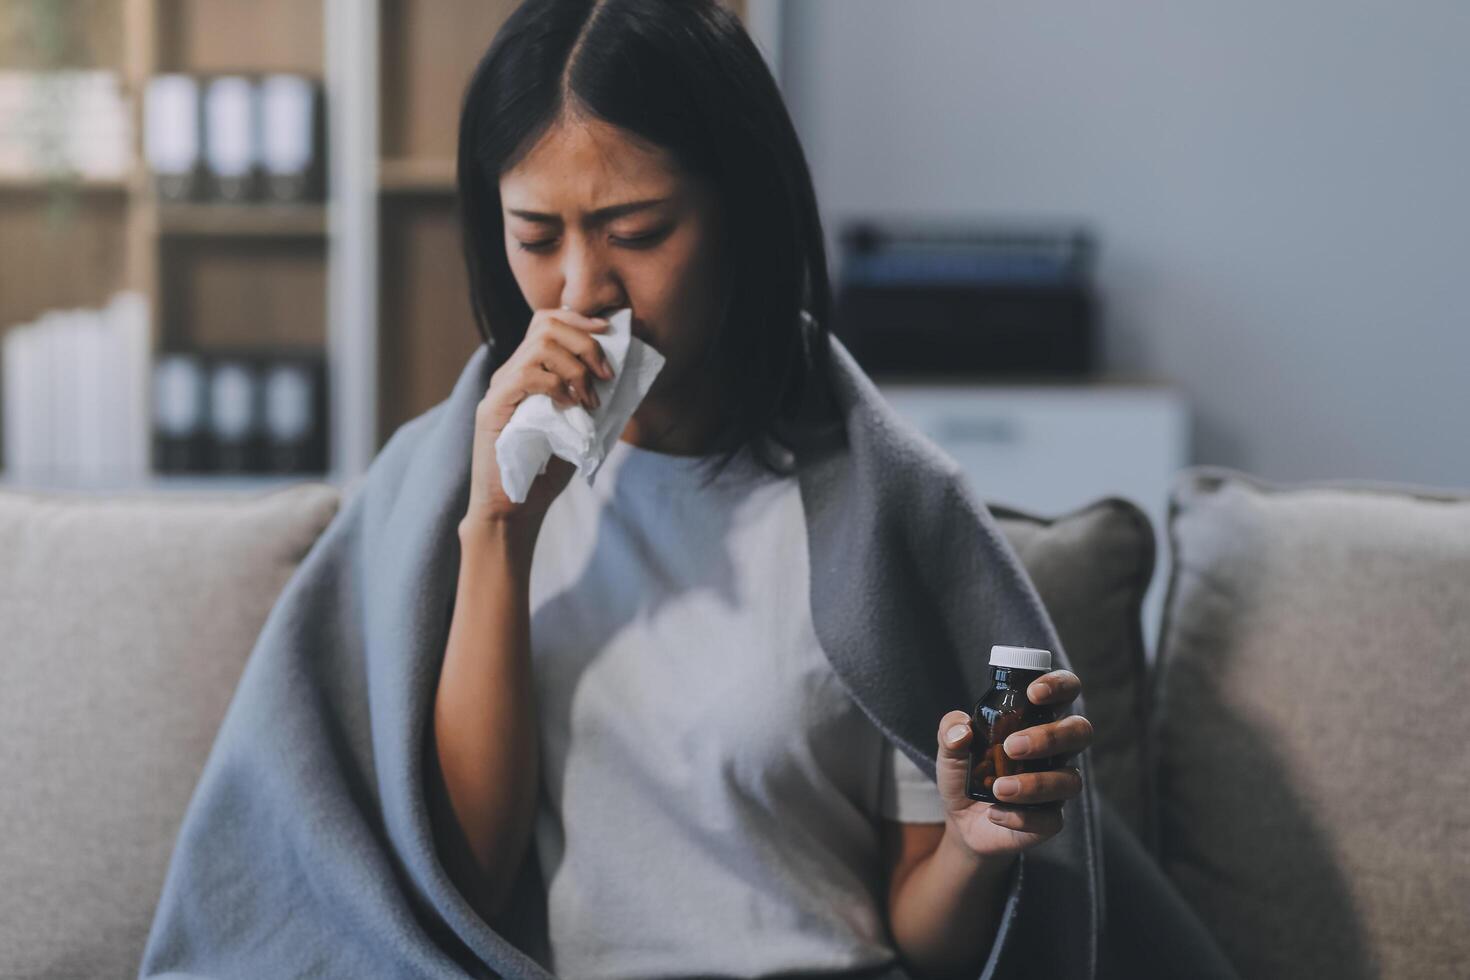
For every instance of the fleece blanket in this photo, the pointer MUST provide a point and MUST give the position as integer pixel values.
(306, 849)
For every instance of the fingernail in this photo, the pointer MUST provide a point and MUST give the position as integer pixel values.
(1007, 786)
(1041, 691)
(1018, 745)
(955, 734)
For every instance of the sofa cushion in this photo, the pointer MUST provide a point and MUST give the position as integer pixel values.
(1092, 567)
(126, 623)
(1311, 723)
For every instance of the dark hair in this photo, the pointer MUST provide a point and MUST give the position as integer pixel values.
(685, 76)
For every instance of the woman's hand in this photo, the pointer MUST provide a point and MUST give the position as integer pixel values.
(557, 357)
(993, 830)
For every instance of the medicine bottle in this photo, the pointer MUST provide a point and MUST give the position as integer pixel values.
(1005, 709)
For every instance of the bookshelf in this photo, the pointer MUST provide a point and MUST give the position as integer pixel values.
(373, 277)
(240, 276)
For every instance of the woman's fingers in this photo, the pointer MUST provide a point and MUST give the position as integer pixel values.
(1043, 821)
(535, 380)
(1066, 737)
(1054, 687)
(580, 344)
(1039, 787)
(571, 371)
(576, 319)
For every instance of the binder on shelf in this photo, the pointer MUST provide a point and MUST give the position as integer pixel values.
(295, 414)
(236, 138)
(171, 125)
(241, 412)
(231, 137)
(292, 137)
(234, 416)
(179, 414)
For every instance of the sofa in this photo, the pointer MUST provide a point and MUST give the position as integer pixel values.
(1293, 758)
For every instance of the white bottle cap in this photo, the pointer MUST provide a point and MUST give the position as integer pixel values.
(1028, 658)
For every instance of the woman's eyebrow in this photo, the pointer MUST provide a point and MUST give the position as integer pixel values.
(596, 217)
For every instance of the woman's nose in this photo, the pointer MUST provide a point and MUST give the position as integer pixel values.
(596, 309)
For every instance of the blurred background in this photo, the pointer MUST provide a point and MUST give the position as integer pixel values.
(1081, 246)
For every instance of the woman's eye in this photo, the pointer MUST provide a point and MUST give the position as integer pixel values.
(637, 241)
(643, 241)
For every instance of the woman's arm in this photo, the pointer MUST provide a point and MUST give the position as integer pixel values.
(947, 881)
(944, 901)
(484, 791)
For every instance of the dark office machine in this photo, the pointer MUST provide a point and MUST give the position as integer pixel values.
(995, 302)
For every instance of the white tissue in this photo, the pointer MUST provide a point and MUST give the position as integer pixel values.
(541, 427)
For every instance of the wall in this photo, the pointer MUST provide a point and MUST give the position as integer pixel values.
(1280, 190)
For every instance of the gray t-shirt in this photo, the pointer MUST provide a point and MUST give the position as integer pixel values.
(710, 790)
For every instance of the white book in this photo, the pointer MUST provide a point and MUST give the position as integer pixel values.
(127, 315)
(75, 408)
(16, 409)
(66, 362)
(91, 397)
(44, 379)
(33, 405)
(110, 398)
(64, 120)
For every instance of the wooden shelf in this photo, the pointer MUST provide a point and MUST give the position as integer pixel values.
(209, 36)
(52, 261)
(243, 291)
(417, 176)
(427, 50)
(13, 184)
(246, 220)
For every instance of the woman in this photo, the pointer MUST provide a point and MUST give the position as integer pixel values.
(678, 723)
(632, 690)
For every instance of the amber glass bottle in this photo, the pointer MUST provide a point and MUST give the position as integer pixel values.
(1005, 709)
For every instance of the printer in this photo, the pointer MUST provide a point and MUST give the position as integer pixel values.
(977, 300)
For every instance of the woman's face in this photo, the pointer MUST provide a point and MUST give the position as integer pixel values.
(659, 251)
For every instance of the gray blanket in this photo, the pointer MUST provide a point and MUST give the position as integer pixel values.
(306, 849)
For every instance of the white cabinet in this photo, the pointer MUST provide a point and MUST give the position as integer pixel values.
(1052, 448)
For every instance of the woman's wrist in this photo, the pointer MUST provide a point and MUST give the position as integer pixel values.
(512, 538)
(993, 866)
(945, 915)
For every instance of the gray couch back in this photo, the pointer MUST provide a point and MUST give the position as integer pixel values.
(1294, 763)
